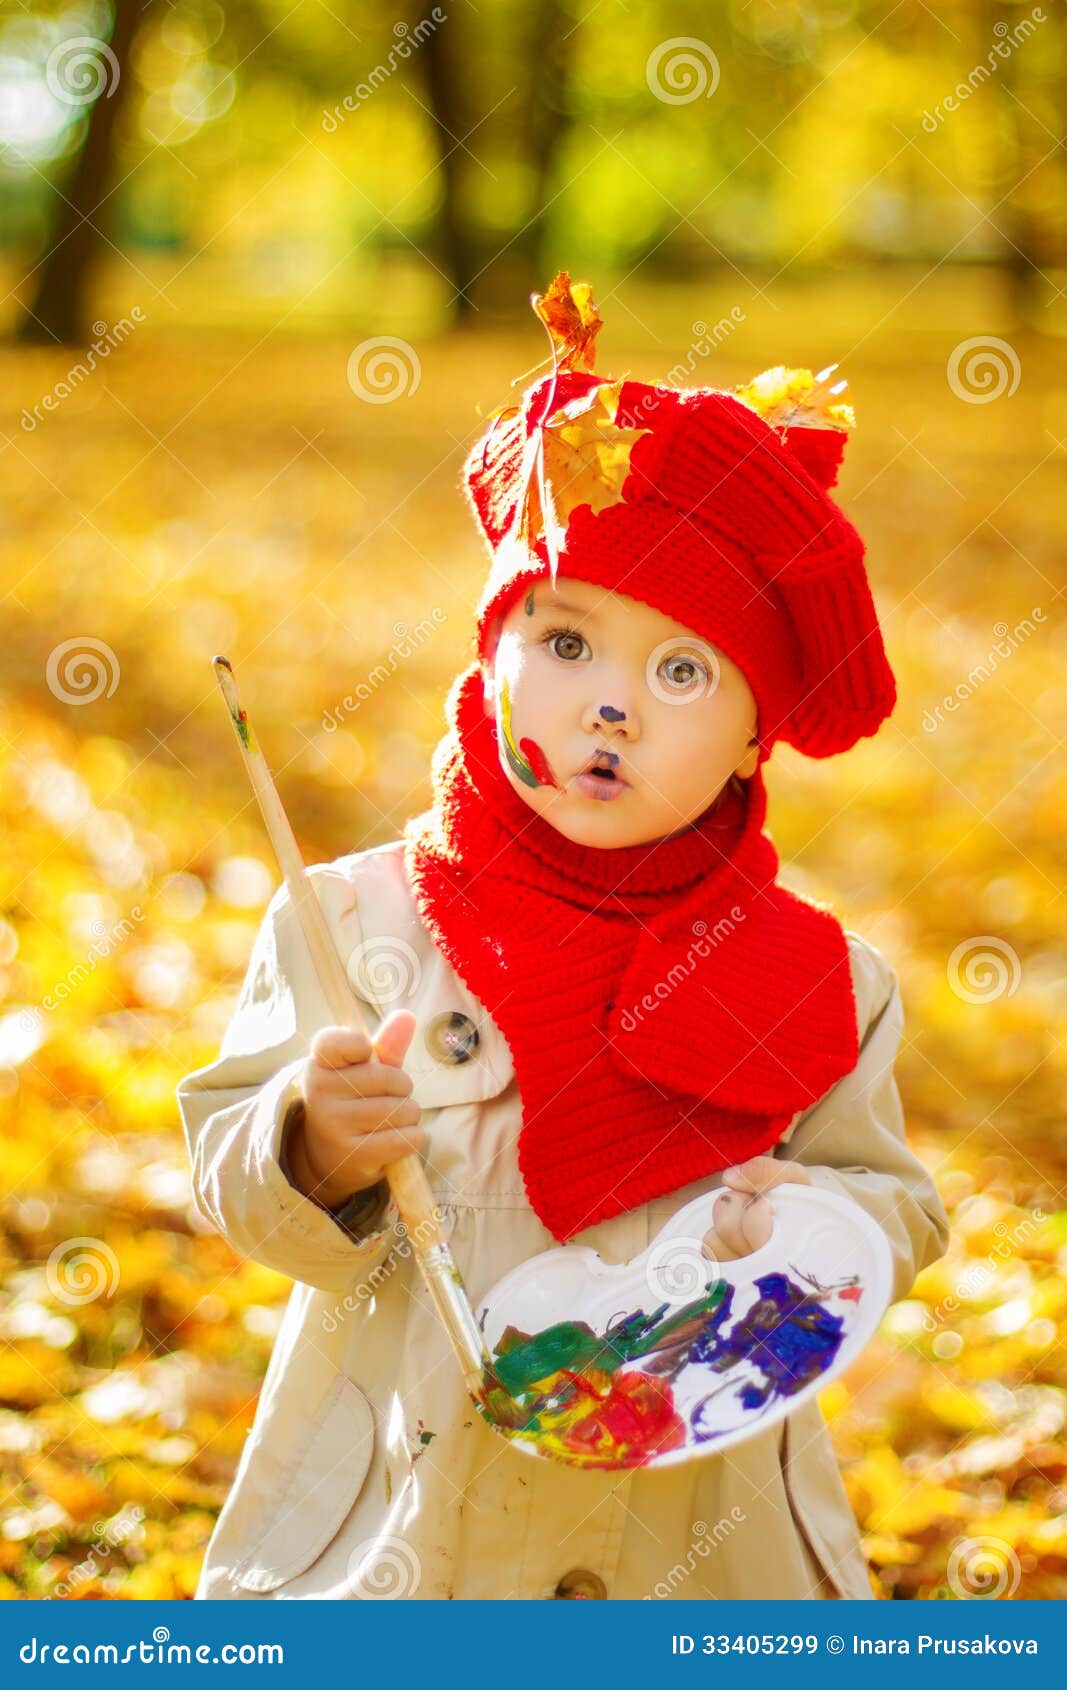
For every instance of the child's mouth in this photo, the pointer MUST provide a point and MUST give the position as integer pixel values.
(600, 779)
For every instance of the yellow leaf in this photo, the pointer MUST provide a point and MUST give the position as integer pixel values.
(888, 1551)
(583, 459)
(797, 399)
(956, 1408)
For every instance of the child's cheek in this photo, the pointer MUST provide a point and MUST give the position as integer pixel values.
(524, 757)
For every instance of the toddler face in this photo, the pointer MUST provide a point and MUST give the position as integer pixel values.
(582, 680)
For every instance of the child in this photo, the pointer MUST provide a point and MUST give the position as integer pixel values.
(592, 1001)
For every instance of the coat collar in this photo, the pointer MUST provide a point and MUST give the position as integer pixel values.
(458, 1054)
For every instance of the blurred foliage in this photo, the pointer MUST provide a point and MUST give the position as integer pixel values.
(213, 483)
(514, 138)
(309, 537)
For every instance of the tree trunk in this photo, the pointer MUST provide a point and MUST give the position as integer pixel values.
(58, 312)
(442, 59)
(550, 26)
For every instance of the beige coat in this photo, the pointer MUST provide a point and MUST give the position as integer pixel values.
(367, 1472)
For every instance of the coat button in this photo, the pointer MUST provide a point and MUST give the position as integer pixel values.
(452, 1037)
(581, 1585)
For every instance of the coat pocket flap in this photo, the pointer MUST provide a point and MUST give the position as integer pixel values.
(819, 1501)
(317, 1490)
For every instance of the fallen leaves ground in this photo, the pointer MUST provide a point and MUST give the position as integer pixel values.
(225, 494)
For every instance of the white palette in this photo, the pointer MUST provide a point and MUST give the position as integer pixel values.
(672, 1357)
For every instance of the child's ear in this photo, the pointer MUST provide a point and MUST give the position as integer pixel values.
(749, 763)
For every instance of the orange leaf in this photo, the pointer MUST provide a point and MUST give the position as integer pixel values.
(566, 308)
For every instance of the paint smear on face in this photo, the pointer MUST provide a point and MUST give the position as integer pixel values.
(528, 606)
(526, 760)
(538, 762)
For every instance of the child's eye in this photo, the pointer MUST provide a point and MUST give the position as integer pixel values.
(565, 644)
(681, 672)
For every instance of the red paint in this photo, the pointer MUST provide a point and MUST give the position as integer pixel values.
(539, 763)
(627, 1424)
(852, 1295)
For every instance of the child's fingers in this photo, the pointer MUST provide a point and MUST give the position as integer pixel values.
(375, 1151)
(716, 1247)
(338, 1047)
(763, 1173)
(353, 1056)
(725, 1240)
(739, 1225)
(393, 1037)
(360, 1079)
(757, 1222)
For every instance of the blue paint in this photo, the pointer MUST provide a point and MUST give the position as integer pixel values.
(788, 1336)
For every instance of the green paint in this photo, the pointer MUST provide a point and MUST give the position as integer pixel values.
(237, 716)
(529, 604)
(516, 761)
(522, 1358)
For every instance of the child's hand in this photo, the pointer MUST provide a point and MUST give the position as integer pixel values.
(741, 1217)
(358, 1111)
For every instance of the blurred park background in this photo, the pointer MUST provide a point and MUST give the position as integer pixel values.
(265, 270)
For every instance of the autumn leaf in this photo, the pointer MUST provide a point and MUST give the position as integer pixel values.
(582, 458)
(567, 310)
(787, 398)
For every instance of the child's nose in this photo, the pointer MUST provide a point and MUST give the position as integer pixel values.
(617, 717)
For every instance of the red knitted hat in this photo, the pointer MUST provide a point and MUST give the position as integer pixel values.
(710, 505)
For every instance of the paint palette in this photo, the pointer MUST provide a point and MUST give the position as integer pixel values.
(673, 1356)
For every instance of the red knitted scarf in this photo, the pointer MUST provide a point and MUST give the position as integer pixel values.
(669, 1007)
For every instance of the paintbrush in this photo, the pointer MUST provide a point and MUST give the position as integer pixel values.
(407, 1177)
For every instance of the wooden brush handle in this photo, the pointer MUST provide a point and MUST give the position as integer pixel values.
(407, 1177)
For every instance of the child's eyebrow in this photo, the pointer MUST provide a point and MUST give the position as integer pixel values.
(563, 604)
